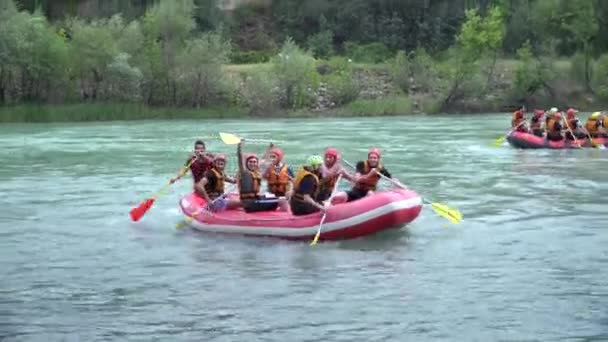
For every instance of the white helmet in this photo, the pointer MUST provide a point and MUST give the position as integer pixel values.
(553, 110)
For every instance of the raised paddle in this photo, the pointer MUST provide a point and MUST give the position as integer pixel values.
(333, 192)
(138, 212)
(451, 214)
(231, 139)
(500, 140)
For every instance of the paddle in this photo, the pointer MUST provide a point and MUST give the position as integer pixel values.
(138, 212)
(593, 144)
(451, 214)
(333, 192)
(572, 133)
(231, 139)
(500, 140)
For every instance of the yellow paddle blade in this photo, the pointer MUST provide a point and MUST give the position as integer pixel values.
(314, 241)
(499, 141)
(229, 139)
(451, 214)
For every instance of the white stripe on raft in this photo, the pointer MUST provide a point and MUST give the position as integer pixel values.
(299, 232)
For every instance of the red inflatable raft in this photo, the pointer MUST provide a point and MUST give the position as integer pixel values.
(374, 213)
(527, 140)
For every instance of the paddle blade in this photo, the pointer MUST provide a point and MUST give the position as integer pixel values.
(499, 141)
(229, 139)
(314, 241)
(140, 211)
(444, 211)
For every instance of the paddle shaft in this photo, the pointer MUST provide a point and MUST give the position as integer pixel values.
(572, 133)
(331, 196)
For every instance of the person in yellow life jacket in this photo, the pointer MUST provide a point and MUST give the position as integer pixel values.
(536, 123)
(249, 181)
(594, 124)
(518, 123)
(278, 175)
(330, 171)
(573, 124)
(211, 186)
(306, 187)
(554, 128)
(603, 129)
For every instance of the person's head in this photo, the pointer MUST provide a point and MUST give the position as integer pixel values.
(539, 113)
(558, 116)
(252, 162)
(373, 157)
(522, 108)
(571, 113)
(331, 156)
(275, 155)
(313, 163)
(199, 147)
(220, 162)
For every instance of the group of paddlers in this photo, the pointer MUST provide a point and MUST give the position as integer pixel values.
(308, 191)
(556, 128)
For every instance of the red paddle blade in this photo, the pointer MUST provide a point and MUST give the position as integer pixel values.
(139, 212)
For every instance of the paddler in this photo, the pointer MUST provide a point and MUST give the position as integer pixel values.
(518, 123)
(549, 115)
(554, 128)
(199, 162)
(536, 123)
(573, 124)
(594, 124)
(249, 181)
(304, 200)
(278, 175)
(366, 177)
(329, 172)
(211, 186)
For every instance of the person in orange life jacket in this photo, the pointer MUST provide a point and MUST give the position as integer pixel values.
(200, 161)
(536, 123)
(603, 129)
(278, 175)
(211, 186)
(249, 181)
(306, 187)
(518, 123)
(329, 172)
(554, 128)
(549, 115)
(572, 122)
(366, 177)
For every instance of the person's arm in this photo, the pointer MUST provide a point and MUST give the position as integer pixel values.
(265, 163)
(200, 189)
(239, 157)
(347, 175)
(306, 186)
(184, 170)
(230, 179)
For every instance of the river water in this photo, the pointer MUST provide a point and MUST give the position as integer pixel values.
(529, 261)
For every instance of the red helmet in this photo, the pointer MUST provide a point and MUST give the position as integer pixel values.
(539, 112)
(571, 113)
(250, 156)
(331, 152)
(375, 151)
(220, 157)
(277, 151)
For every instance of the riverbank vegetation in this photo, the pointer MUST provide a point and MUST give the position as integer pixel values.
(71, 60)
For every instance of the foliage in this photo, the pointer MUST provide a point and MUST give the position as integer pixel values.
(297, 76)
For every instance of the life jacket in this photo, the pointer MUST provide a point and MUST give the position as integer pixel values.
(298, 194)
(605, 122)
(572, 123)
(370, 183)
(551, 125)
(251, 187)
(591, 127)
(278, 182)
(216, 189)
(198, 168)
(329, 183)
